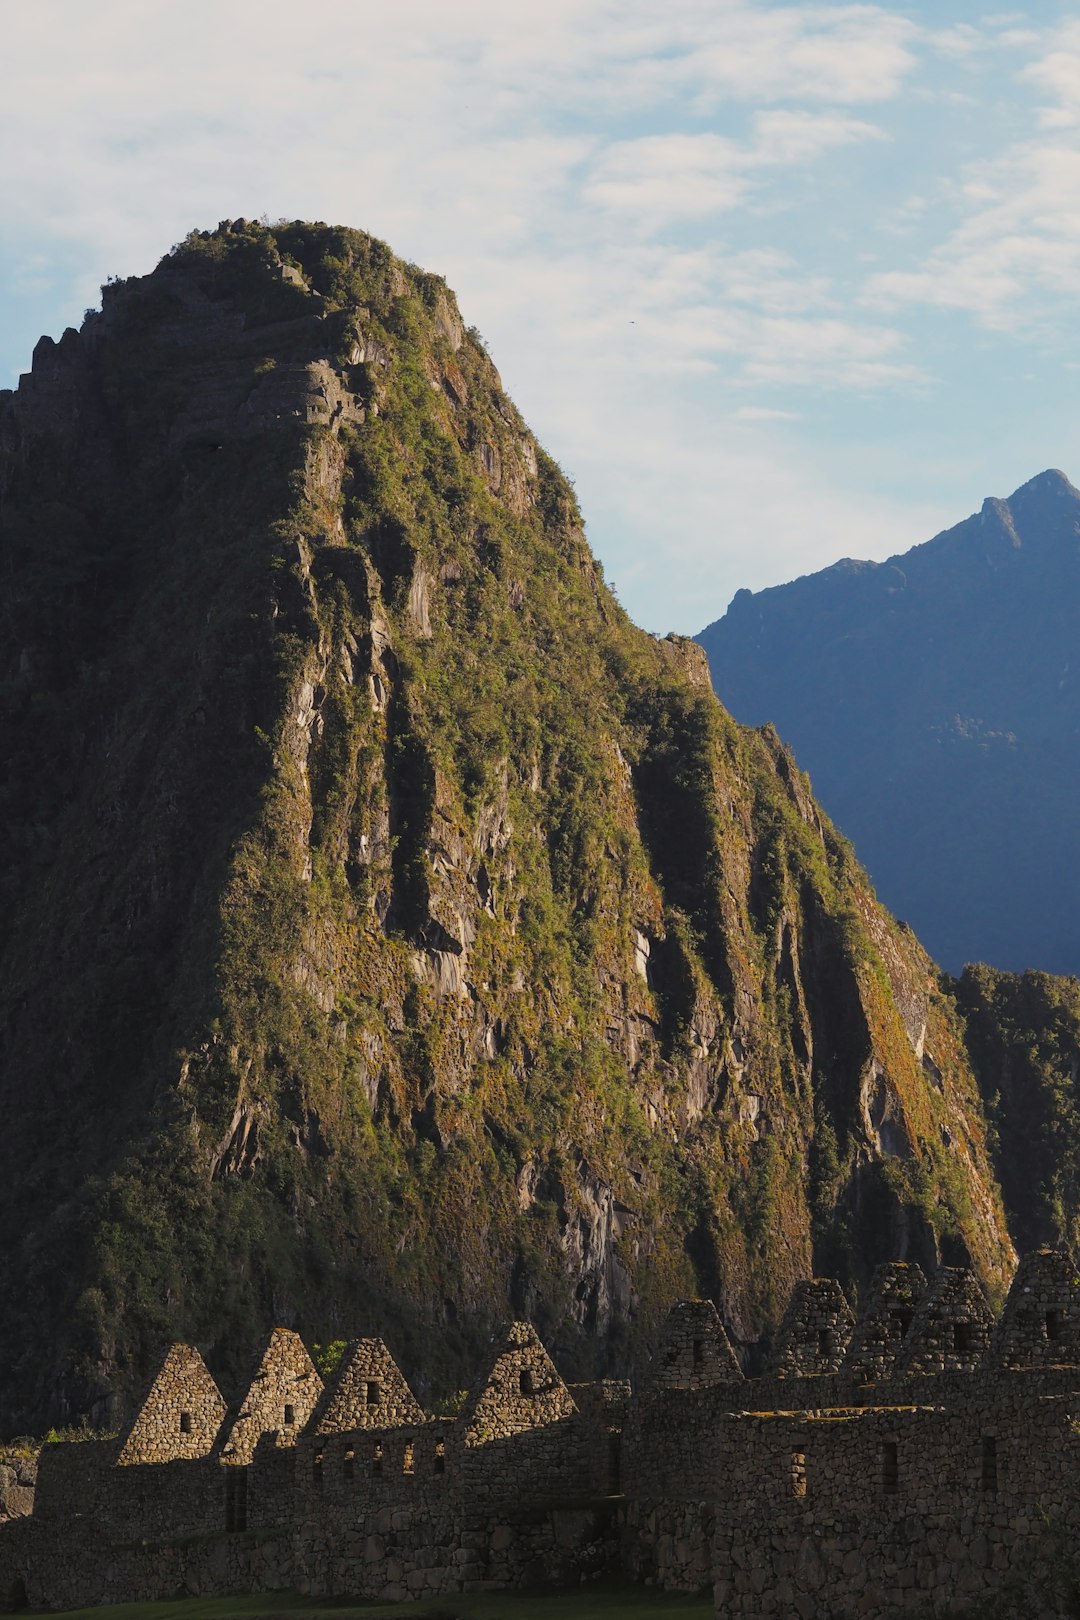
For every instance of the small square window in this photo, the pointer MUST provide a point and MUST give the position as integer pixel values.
(964, 1338)
(899, 1323)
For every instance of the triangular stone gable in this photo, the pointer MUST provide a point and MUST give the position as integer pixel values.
(877, 1342)
(180, 1415)
(368, 1391)
(1040, 1323)
(521, 1390)
(952, 1326)
(694, 1351)
(282, 1395)
(815, 1332)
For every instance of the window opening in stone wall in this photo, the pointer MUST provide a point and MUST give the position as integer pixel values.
(899, 1322)
(964, 1338)
(373, 1393)
(699, 1353)
(376, 1458)
(889, 1463)
(316, 1469)
(290, 1416)
(989, 1463)
(408, 1459)
(348, 1463)
(440, 1457)
(185, 1423)
(525, 1383)
(1052, 1326)
(825, 1342)
(798, 1473)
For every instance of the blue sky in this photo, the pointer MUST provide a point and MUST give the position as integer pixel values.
(775, 283)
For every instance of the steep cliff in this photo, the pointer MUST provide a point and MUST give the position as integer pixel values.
(1023, 1034)
(392, 934)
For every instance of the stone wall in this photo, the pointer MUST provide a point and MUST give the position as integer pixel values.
(815, 1331)
(915, 1467)
(951, 1327)
(895, 1291)
(281, 1396)
(368, 1391)
(1040, 1323)
(520, 1391)
(18, 1477)
(694, 1350)
(180, 1414)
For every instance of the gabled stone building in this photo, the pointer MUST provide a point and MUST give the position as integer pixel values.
(921, 1454)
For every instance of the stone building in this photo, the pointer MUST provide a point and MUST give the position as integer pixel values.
(367, 1391)
(915, 1459)
(280, 1399)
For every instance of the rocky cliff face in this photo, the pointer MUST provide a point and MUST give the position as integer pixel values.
(934, 700)
(1023, 1033)
(394, 936)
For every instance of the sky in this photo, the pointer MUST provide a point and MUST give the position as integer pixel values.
(775, 284)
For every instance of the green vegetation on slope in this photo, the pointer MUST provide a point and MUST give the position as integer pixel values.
(1024, 1039)
(396, 936)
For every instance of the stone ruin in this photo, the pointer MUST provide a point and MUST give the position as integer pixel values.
(917, 1454)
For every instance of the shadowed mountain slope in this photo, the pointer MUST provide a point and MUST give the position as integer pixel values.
(392, 936)
(935, 700)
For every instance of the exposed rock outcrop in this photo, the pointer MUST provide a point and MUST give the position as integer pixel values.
(390, 932)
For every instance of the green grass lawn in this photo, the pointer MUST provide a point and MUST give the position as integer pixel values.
(598, 1603)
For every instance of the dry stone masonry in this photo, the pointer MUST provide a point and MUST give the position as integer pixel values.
(180, 1415)
(815, 1331)
(696, 1350)
(951, 1328)
(368, 1391)
(282, 1395)
(895, 1292)
(911, 1462)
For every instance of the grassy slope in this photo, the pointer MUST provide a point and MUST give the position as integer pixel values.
(364, 795)
(1024, 1038)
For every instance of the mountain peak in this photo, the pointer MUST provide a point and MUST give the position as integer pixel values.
(393, 937)
(1051, 482)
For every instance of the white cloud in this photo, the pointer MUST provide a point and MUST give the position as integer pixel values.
(605, 182)
(662, 178)
(1058, 72)
(1014, 256)
(765, 413)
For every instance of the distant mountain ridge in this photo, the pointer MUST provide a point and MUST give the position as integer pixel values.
(934, 699)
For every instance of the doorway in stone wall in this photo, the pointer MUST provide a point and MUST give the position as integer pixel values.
(614, 1464)
(17, 1598)
(236, 1482)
